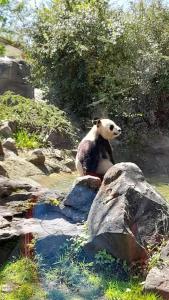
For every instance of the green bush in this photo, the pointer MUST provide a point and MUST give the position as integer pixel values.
(35, 118)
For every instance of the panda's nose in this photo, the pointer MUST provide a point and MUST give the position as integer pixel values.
(119, 130)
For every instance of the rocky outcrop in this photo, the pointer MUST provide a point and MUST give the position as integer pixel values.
(10, 145)
(15, 196)
(15, 201)
(18, 167)
(158, 277)
(57, 140)
(5, 130)
(127, 214)
(70, 163)
(13, 77)
(36, 157)
(23, 215)
(7, 186)
(27, 163)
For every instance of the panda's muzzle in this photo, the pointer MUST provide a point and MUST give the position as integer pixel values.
(118, 132)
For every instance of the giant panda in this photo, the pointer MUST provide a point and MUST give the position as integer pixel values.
(94, 155)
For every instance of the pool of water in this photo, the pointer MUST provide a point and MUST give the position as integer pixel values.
(62, 182)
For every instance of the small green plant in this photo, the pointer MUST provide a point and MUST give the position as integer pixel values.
(102, 258)
(26, 140)
(54, 201)
(155, 255)
(154, 260)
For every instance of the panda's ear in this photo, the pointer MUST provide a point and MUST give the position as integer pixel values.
(96, 121)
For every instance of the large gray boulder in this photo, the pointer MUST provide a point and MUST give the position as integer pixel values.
(83, 192)
(127, 214)
(13, 77)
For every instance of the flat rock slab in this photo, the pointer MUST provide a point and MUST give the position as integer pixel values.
(50, 228)
(17, 167)
(42, 220)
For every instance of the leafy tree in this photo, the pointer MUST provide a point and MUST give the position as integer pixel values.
(71, 43)
(86, 53)
(147, 39)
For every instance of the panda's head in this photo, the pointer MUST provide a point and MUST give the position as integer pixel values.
(107, 128)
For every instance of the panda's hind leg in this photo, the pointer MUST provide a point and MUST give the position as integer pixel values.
(103, 166)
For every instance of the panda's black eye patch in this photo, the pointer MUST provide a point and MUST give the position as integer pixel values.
(111, 127)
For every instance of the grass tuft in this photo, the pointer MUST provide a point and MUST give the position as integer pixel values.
(21, 280)
(120, 290)
(80, 276)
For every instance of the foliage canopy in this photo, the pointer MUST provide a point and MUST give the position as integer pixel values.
(86, 53)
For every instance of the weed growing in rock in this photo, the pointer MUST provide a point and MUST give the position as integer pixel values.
(54, 201)
(155, 259)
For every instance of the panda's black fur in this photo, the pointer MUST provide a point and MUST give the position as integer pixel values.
(89, 159)
(95, 148)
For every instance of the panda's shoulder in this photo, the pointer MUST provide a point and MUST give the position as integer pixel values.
(86, 145)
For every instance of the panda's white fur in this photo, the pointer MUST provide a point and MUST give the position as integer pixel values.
(97, 137)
